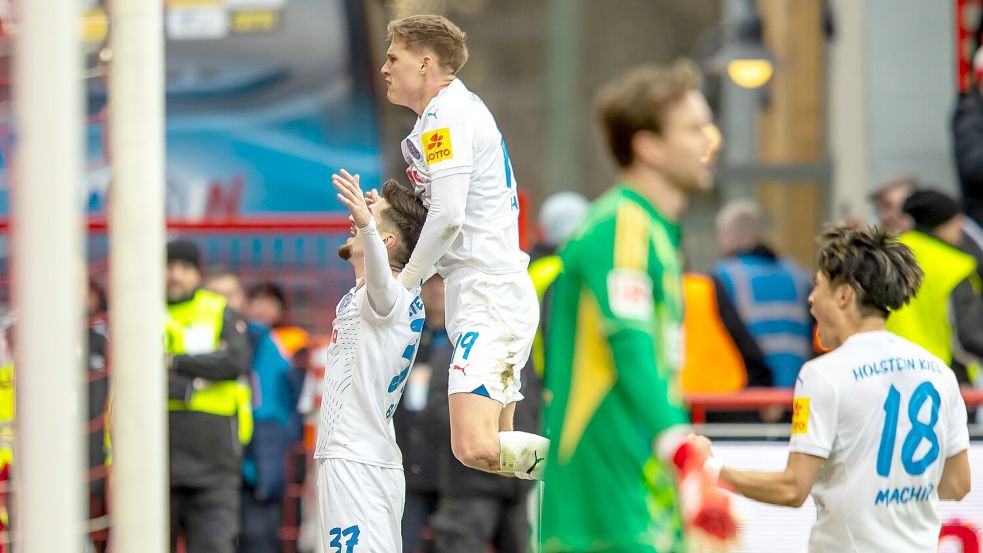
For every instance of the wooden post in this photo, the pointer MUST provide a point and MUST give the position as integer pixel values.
(792, 124)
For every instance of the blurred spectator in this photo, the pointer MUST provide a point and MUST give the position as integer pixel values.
(770, 293)
(721, 355)
(7, 392)
(889, 200)
(967, 134)
(274, 402)
(97, 306)
(225, 282)
(889, 203)
(99, 452)
(418, 422)
(268, 305)
(559, 217)
(951, 284)
(97, 435)
(210, 412)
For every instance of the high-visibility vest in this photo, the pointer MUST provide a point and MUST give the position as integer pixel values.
(543, 273)
(6, 414)
(925, 320)
(712, 362)
(771, 297)
(195, 327)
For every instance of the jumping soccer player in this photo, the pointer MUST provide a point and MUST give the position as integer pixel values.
(376, 330)
(460, 166)
(879, 431)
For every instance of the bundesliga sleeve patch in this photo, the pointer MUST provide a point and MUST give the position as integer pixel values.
(630, 294)
(438, 145)
(800, 415)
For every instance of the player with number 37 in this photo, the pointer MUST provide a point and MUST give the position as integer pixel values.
(879, 431)
(376, 332)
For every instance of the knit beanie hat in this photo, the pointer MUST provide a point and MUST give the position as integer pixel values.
(183, 250)
(930, 209)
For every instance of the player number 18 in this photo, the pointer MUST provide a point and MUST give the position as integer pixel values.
(919, 431)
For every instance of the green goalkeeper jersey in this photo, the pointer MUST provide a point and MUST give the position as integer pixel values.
(613, 349)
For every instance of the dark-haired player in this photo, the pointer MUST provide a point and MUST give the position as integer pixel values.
(879, 430)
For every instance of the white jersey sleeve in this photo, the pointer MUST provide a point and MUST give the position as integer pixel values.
(814, 414)
(958, 431)
(381, 287)
(448, 203)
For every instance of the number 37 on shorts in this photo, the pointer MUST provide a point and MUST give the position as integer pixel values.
(343, 540)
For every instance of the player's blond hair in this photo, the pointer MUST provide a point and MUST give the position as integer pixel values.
(882, 271)
(640, 100)
(435, 33)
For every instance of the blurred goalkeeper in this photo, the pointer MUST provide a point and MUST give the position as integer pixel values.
(616, 424)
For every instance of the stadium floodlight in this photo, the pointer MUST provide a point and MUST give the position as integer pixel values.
(750, 72)
(744, 58)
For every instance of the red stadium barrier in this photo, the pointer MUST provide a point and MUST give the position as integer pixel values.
(757, 398)
(299, 223)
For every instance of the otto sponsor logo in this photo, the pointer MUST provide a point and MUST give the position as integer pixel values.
(438, 144)
(800, 415)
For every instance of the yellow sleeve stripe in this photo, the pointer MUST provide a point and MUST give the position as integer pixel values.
(631, 238)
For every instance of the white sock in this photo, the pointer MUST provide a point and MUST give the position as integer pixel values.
(523, 455)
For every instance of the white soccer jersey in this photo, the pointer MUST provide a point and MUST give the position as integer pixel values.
(456, 134)
(369, 358)
(885, 414)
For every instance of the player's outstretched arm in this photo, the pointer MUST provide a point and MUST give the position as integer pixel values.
(445, 217)
(381, 286)
(788, 488)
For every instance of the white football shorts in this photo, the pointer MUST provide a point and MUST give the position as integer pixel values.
(361, 506)
(492, 321)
